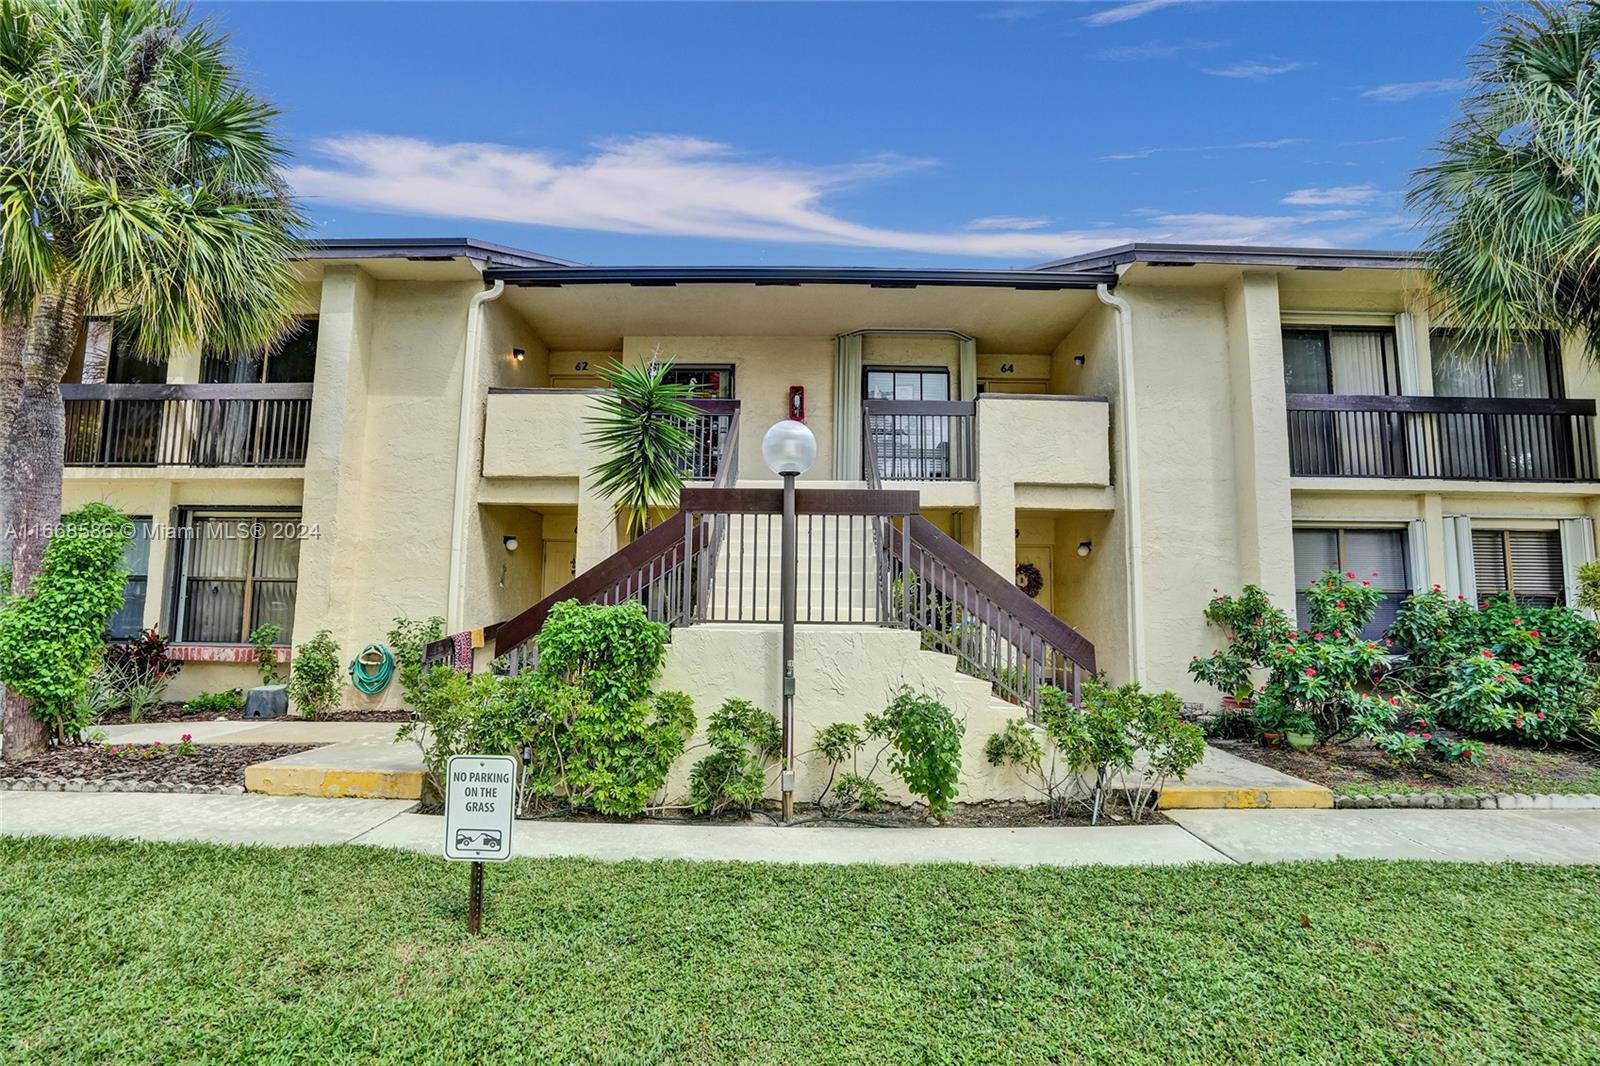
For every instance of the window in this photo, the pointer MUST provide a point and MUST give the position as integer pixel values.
(1529, 370)
(1525, 562)
(1363, 552)
(128, 622)
(907, 383)
(294, 360)
(708, 382)
(910, 446)
(1346, 361)
(236, 571)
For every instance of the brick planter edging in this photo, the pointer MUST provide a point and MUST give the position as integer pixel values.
(1497, 801)
(80, 784)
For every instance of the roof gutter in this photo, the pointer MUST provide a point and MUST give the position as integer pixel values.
(455, 603)
(876, 277)
(1134, 538)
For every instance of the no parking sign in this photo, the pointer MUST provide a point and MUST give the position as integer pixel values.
(479, 806)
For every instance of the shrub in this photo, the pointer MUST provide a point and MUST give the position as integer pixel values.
(1112, 729)
(925, 742)
(1018, 746)
(52, 637)
(859, 792)
(408, 641)
(1318, 681)
(314, 680)
(600, 738)
(215, 702)
(462, 714)
(745, 741)
(1500, 669)
(137, 672)
(264, 639)
(1252, 628)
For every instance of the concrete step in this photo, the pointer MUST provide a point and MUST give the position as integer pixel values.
(374, 768)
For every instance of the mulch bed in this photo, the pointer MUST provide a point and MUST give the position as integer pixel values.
(962, 815)
(174, 712)
(1358, 767)
(214, 764)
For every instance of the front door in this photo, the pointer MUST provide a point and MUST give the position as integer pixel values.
(560, 565)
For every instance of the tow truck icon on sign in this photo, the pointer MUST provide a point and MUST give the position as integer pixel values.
(483, 840)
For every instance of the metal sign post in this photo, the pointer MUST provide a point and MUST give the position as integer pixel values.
(479, 806)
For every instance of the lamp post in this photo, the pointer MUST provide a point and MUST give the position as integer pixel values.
(789, 449)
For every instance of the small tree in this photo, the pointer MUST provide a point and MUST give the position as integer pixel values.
(925, 741)
(639, 426)
(53, 637)
(745, 741)
(314, 678)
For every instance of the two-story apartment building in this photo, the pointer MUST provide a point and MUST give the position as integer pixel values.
(1119, 433)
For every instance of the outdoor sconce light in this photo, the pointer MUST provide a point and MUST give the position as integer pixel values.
(1079, 359)
(518, 354)
(510, 543)
(1085, 547)
(789, 448)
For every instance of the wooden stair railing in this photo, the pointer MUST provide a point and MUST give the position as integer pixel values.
(962, 607)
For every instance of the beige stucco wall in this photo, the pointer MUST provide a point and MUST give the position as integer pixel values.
(842, 674)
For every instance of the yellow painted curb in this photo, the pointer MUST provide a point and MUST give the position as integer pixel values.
(269, 780)
(1194, 798)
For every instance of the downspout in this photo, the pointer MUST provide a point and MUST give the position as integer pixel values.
(455, 605)
(1130, 478)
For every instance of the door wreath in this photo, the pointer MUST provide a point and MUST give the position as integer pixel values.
(1029, 580)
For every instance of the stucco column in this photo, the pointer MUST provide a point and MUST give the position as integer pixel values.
(1433, 533)
(1263, 510)
(331, 560)
(598, 535)
(156, 573)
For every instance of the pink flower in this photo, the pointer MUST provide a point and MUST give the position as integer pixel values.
(1311, 671)
(1339, 605)
(1387, 643)
(186, 738)
(1427, 736)
(1539, 715)
(1527, 679)
(1534, 633)
(1351, 574)
(1316, 636)
(1337, 633)
(1486, 653)
(1516, 666)
(1411, 732)
(1438, 588)
(1366, 584)
(1516, 621)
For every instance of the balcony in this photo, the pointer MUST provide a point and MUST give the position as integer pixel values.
(186, 425)
(1453, 438)
(922, 440)
(542, 433)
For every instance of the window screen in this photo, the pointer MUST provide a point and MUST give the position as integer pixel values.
(237, 572)
(1375, 555)
(1525, 562)
(128, 622)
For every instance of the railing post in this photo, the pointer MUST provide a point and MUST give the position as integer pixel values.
(905, 569)
(686, 578)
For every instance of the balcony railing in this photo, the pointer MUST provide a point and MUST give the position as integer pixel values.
(1446, 437)
(718, 420)
(923, 440)
(187, 425)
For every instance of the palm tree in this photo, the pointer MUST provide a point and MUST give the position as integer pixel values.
(138, 176)
(639, 425)
(1512, 204)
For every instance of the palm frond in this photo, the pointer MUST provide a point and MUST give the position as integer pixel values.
(640, 425)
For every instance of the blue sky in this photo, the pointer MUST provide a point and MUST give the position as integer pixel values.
(943, 134)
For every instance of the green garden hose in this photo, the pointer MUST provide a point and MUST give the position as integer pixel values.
(371, 671)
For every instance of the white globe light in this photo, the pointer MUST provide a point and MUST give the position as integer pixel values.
(789, 447)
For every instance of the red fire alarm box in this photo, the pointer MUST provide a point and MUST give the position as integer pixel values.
(797, 402)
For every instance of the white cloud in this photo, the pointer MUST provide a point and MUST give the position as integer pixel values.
(1022, 222)
(1146, 153)
(1253, 70)
(1338, 194)
(1124, 12)
(1406, 90)
(688, 187)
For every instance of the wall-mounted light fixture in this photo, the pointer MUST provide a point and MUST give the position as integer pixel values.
(1080, 359)
(1085, 547)
(519, 354)
(511, 544)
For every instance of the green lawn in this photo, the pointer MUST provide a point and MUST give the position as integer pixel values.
(181, 953)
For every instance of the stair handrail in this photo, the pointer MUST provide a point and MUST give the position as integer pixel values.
(727, 477)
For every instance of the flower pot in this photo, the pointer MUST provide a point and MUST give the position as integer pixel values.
(1301, 741)
(1272, 740)
(1236, 706)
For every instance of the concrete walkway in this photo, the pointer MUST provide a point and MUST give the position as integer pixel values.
(272, 731)
(1199, 837)
(1447, 836)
